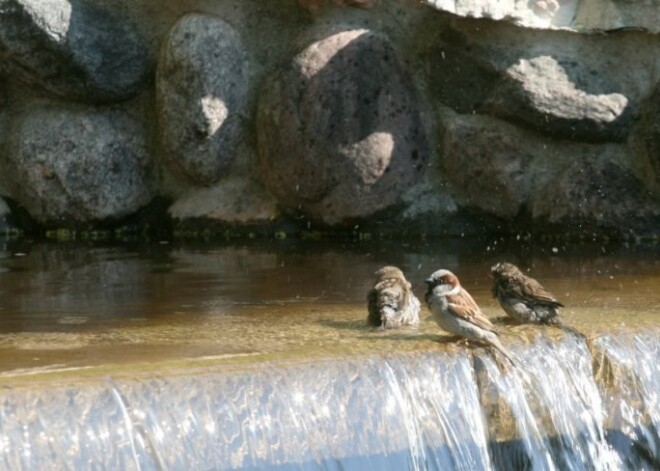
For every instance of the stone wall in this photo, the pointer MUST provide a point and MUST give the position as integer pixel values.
(432, 117)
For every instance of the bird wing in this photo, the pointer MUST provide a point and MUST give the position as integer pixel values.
(532, 290)
(464, 306)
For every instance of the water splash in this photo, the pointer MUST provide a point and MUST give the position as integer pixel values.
(629, 369)
(568, 405)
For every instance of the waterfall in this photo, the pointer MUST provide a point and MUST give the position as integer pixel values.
(571, 404)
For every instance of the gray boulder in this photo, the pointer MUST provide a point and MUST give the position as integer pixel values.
(488, 163)
(202, 84)
(339, 129)
(544, 94)
(77, 165)
(507, 171)
(571, 86)
(599, 191)
(71, 48)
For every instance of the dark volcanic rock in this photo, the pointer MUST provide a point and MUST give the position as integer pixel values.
(71, 48)
(202, 85)
(339, 129)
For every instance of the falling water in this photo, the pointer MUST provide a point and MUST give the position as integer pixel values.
(568, 404)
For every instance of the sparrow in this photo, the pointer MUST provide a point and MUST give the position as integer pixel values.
(522, 297)
(391, 301)
(456, 311)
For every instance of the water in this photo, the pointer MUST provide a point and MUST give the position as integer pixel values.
(241, 358)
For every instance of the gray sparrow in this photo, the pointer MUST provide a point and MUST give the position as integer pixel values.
(391, 301)
(457, 312)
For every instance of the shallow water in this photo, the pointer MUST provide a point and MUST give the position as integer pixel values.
(165, 357)
(67, 307)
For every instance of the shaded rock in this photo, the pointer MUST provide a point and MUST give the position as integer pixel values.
(487, 163)
(314, 6)
(77, 165)
(456, 74)
(339, 130)
(542, 93)
(649, 135)
(427, 199)
(74, 49)
(596, 190)
(202, 85)
(509, 172)
(234, 200)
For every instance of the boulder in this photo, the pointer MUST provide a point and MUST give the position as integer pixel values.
(231, 201)
(507, 171)
(488, 163)
(570, 86)
(543, 93)
(571, 15)
(339, 128)
(71, 48)
(202, 85)
(77, 165)
(599, 191)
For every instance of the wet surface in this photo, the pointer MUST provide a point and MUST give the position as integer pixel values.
(71, 307)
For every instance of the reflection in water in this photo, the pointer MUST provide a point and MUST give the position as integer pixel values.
(234, 358)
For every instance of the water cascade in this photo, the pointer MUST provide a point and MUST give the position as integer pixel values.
(570, 404)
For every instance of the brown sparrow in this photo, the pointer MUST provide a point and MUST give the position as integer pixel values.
(391, 301)
(456, 312)
(522, 297)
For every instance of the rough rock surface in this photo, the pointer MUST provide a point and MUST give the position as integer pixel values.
(572, 86)
(77, 165)
(340, 134)
(74, 49)
(202, 85)
(574, 15)
(232, 201)
(539, 93)
(649, 135)
(487, 163)
(502, 170)
(599, 191)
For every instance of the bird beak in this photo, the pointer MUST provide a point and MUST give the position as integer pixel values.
(429, 282)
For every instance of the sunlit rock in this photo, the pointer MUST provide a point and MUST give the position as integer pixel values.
(557, 97)
(573, 15)
(202, 84)
(77, 165)
(74, 49)
(339, 130)
(569, 86)
(232, 201)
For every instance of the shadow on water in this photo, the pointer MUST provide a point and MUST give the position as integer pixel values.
(175, 357)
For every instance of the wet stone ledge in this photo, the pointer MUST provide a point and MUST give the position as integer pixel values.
(393, 411)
